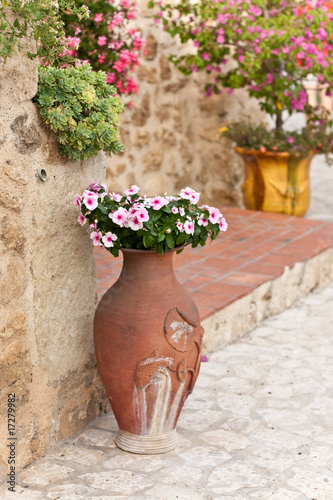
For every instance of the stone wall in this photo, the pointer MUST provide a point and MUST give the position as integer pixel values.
(47, 278)
(170, 134)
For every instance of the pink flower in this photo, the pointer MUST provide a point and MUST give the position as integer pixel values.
(158, 202)
(202, 221)
(142, 214)
(91, 201)
(189, 227)
(186, 193)
(180, 226)
(174, 210)
(135, 223)
(133, 190)
(97, 186)
(98, 18)
(214, 215)
(108, 239)
(81, 219)
(102, 40)
(96, 237)
(119, 216)
(116, 197)
(182, 211)
(194, 198)
(290, 139)
(223, 224)
(77, 200)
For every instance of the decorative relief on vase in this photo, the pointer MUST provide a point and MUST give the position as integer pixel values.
(162, 383)
(180, 330)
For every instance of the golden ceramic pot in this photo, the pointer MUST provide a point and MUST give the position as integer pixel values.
(276, 182)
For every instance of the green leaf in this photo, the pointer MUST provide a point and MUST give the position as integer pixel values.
(103, 209)
(181, 238)
(148, 240)
(170, 241)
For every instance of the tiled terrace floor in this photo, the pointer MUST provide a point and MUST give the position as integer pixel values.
(255, 249)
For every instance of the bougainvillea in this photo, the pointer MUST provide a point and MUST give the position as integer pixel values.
(106, 40)
(269, 47)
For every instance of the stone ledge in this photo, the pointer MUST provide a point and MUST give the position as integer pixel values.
(268, 299)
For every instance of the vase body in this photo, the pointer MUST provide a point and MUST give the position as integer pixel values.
(148, 340)
(276, 182)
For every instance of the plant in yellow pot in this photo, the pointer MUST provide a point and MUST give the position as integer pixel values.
(271, 48)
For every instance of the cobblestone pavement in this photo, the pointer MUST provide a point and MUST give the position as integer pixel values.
(258, 426)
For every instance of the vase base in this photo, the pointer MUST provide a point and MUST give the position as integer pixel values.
(146, 445)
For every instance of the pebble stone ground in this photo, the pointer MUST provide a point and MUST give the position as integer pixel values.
(258, 426)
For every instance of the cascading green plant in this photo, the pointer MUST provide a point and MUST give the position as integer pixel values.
(38, 19)
(81, 108)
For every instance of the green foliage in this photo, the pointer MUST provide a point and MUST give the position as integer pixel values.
(40, 20)
(81, 109)
(161, 223)
(316, 137)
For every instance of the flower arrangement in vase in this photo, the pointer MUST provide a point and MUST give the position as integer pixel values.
(159, 223)
(147, 328)
(272, 48)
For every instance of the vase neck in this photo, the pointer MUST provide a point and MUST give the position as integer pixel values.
(146, 265)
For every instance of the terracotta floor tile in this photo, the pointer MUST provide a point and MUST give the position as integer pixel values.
(299, 252)
(212, 300)
(222, 288)
(271, 216)
(259, 267)
(286, 260)
(247, 279)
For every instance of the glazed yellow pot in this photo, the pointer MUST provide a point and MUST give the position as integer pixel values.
(276, 182)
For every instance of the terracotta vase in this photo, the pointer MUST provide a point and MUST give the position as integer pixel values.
(276, 182)
(148, 348)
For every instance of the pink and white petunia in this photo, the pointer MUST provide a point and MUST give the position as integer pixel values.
(190, 194)
(202, 221)
(81, 219)
(186, 193)
(108, 239)
(223, 225)
(133, 190)
(180, 226)
(189, 227)
(214, 215)
(174, 210)
(158, 202)
(116, 197)
(194, 198)
(96, 237)
(142, 214)
(182, 211)
(91, 201)
(77, 200)
(119, 216)
(97, 186)
(135, 224)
